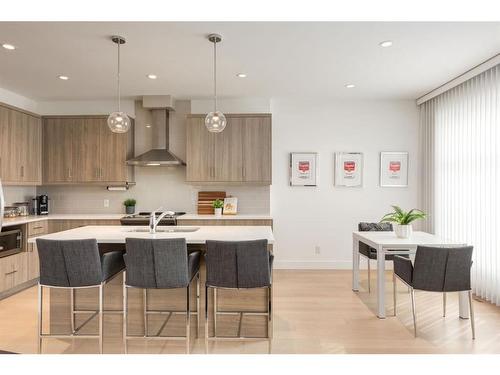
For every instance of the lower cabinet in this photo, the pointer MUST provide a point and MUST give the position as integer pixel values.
(33, 262)
(222, 221)
(13, 271)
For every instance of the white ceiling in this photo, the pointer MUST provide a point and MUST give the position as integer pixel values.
(281, 59)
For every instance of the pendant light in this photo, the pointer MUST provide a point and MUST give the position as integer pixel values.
(215, 121)
(118, 122)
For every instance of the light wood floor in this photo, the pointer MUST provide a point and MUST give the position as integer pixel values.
(315, 312)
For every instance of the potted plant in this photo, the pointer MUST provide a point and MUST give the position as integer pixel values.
(402, 220)
(217, 205)
(129, 206)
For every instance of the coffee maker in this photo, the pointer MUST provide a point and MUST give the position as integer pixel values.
(41, 205)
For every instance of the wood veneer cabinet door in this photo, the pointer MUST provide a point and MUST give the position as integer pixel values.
(5, 154)
(228, 152)
(199, 151)
(257, 150)
(32, 158)
(58, 150)
(112, 154)
(85, 149)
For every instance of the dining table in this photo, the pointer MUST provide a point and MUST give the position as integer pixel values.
(387, 242)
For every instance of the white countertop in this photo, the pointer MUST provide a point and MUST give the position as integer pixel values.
(32, 218)
(118, 234)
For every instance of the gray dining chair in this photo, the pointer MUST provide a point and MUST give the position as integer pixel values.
(369, 252)
(436, 269)
(75, 264)
(238, 265)
(160, 264)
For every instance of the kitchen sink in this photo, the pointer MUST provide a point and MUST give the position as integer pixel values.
(166, 230)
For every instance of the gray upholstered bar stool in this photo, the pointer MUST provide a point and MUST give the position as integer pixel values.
(75, 264)
(238, 265)
(160, 264)
(436, 269)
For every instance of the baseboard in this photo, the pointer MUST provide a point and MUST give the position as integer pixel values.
(18, 288)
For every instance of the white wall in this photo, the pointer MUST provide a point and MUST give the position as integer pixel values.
(85, 107)
(325, 216)
(19, 101)
(234, 105)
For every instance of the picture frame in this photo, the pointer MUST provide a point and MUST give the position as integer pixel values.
(230, 206)
(303, 169)
(394, 169)
(348, 169)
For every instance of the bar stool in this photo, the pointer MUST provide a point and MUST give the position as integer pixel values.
(160, 264)
(238, 265)
(75, 264)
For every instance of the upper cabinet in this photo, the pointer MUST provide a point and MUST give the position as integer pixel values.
(82, 149)
(242, 153)
(20, 147)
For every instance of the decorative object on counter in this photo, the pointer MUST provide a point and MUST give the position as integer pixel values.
(218, 205)
(205, 200)
(118, 122)
(230, 206)
(129, 206)
(215, 121)
(402, 220)
(41, 204)
(24, 208)
(348, 169)
(11, 211)
(394, 169)
(303, 168)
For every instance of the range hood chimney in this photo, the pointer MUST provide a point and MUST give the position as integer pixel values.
(157, 157)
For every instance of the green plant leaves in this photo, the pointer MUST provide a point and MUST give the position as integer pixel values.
(401, 217)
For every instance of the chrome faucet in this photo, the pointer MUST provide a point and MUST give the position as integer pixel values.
(153, 221)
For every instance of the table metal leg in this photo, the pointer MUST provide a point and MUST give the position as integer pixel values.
(380, 282)
(355, 265)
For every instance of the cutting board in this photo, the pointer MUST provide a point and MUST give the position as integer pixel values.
(205, 200)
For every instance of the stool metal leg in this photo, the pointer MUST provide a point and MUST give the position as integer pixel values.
(198, 305)
(394, 291)
(413, 310)
(40, 309)
(188, 319)
(444, 305)
(472, 326)
(125, 307)
(270, 313)
(215, 311)
(72, 302)
(369, 277)
(206, 319)
(101, 316)
(145, 312)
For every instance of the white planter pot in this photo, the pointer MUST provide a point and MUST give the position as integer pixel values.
(403, 231)
(218, 211)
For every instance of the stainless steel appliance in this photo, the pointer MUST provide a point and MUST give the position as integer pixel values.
(11, 242)
(142, 218)
(41, 204)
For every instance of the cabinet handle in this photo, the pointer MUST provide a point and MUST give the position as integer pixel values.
(10, 273)
(22, 170)
(37, 227)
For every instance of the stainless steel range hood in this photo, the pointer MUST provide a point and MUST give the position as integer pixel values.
(160, 156)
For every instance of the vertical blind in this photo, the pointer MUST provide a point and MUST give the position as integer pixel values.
(460, 173)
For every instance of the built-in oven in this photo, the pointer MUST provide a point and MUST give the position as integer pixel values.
(11, 242)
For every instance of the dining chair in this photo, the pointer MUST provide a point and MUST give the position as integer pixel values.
(160, 264)
(369, 252)
(238, 265)
(436, 269)
(72, 265)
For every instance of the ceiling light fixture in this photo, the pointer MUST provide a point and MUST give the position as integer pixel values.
(350, 86)
(8, 46)
(64, 78)
(241, 75)
(385, 43)
(118, 122)
(215, 121)
(152, 76)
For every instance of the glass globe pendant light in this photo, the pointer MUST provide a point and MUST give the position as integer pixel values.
(215, 121)
(118, 121)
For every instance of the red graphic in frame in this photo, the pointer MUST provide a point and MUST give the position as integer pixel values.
(304, 166)
(349, 166)
(395, 166)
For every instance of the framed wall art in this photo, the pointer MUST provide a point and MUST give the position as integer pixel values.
(394, 169)
(348, 169)
(303, 168)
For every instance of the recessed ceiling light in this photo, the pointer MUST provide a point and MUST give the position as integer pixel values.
(350, 86)
(152, 76)
(8, 46)
(385, 43)
(148, 126)
(64, 78)
(241, 75)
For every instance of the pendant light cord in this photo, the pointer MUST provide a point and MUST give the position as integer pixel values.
(118, 75)
(215, 75)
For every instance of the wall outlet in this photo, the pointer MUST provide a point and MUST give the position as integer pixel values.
(317, 250)
(106, 203)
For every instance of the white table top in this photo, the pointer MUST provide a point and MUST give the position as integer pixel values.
(118, 234)
(390, 239)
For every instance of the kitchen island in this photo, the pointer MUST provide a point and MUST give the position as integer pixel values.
(114, 237)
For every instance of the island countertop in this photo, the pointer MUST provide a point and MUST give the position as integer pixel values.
(118, 234)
